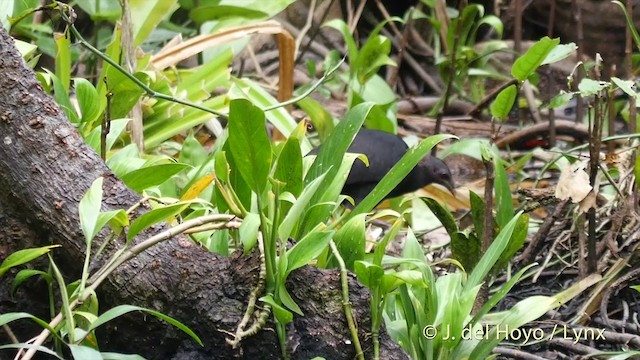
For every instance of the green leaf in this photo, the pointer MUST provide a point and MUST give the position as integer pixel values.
(118, 356)
(518, 237)
(89, 210)
(116, 129)
(63, 59)
(287, 301)
(88, 101)
(289, 166)
(529, 62)
(124, 309)
(192, 152)
(249, 143)
(24, 275)
(307, 249)
(466, 250)
(23, 256)
(283, 315)
(340, 25)
(590, 87)
(351, 240)
(146, 15)
(117, 219)
(155, 216)
(398, 172)
(320, 118)
(443, 215)
(205, 13)
(504, 200)
(84, 352)
(559, 53)
(501, 293)
(372, 56)
(492, 255)
(502, 105)
(297, 211)
(368, 274)
(625, 85)
(149, 176)
(248, 231)
(477, 213)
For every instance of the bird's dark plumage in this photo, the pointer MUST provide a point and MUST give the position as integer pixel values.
(384, 150)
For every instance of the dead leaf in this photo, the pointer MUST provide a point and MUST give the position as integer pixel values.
(573, 183)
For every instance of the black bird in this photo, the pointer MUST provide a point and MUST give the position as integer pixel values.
(384, 150)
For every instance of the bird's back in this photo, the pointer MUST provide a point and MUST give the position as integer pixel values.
(383, 151)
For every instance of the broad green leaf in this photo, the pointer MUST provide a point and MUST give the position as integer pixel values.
(466, 250)
(445, 217)
(116, 218)
(24, 275)
(398, 172)
(155, 175)
(590, 87)
(560, 100)
(351, 240)
(89, 210)
(88, 101)
(529, 62)
(153, 217)
(297, 211)
(283, 315)
(120, 310)
(502, 105)
(192, 152)
(287, 301)
(289, 166)
(62, 98)
(368, 274)
(560, 52)
(248, 231)
(625, 85)
(249, 143)
(84, 352)
(116, 129)
(504, 200)
(372, 56)
(23, 256)
(307, 249)
(63, 59)
(320, 118)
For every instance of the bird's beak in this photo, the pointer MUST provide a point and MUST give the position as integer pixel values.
(450, 187)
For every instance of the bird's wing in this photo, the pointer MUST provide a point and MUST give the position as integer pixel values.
(383, 151)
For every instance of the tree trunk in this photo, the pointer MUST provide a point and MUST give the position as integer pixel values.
(45, 168)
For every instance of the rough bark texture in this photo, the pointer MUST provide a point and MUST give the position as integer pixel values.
(45, 168)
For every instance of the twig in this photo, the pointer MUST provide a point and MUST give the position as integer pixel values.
(346, 303)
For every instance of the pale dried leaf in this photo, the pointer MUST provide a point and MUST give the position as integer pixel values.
(573, 183)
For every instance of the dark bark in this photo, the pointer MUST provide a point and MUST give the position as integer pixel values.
(45, 168)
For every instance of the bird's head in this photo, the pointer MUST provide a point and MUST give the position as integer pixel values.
(436, 171)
